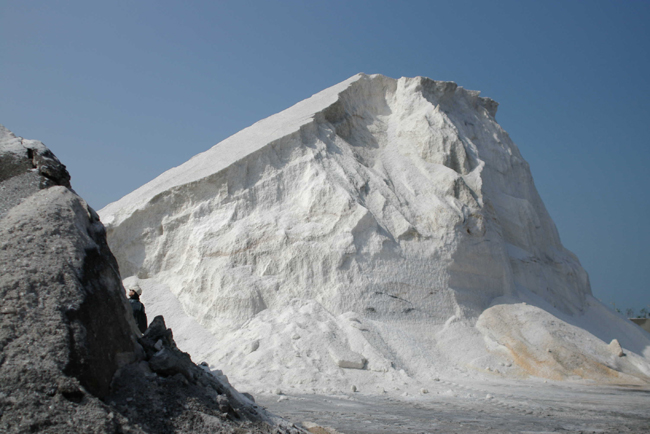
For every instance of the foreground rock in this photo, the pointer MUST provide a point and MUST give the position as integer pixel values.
(166, 392)
(26, 166)
(71, 359)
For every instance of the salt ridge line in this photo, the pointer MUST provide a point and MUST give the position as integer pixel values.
(229, 151)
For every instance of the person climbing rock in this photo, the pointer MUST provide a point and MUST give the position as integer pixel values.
(138, 308)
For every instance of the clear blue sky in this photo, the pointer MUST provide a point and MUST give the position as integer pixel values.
(124, 90)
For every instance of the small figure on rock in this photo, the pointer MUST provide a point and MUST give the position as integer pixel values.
(138, 308)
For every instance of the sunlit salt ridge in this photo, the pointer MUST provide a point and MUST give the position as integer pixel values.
(382, 232)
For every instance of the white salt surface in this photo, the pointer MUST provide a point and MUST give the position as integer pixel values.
(457, 401)
(305, 349)
(378, 236)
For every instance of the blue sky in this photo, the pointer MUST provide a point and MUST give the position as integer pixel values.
(124, 90)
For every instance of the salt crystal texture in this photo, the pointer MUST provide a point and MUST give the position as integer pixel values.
(382, 231)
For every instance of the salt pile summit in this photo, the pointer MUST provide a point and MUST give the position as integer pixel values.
(382, 231)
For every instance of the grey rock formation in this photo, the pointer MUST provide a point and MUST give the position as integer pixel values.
(70, 360)
(26, 166)
(163, 356)
(179, 391)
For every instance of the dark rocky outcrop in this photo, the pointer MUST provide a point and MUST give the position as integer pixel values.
(181, 392)
(71, 357)
(26, 166)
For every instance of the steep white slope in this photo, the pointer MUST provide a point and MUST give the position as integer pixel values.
(400, 203)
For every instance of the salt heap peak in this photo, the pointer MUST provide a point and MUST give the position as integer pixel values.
(400, 202)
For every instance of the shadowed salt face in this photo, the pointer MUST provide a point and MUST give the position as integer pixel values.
(402, 201)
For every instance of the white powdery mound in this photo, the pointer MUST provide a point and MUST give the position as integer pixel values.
(549, 344)
(401, 204)
(302, 348)
(305, 349)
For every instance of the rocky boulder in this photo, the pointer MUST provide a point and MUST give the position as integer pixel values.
(64, 328)
(26, 166)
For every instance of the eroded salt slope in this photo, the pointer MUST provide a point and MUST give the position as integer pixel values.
(399, 205)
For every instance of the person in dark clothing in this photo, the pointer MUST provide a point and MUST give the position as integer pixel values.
(138, 308)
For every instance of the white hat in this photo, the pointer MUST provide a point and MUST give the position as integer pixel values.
(136, 288)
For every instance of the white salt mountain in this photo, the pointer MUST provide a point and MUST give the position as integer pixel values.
(380, 232)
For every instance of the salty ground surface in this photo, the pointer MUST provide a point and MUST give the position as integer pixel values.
(457, 407)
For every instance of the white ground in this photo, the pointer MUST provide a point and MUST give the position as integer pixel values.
(471, 407)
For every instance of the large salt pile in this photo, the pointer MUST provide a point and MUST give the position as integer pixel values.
(380, 232)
